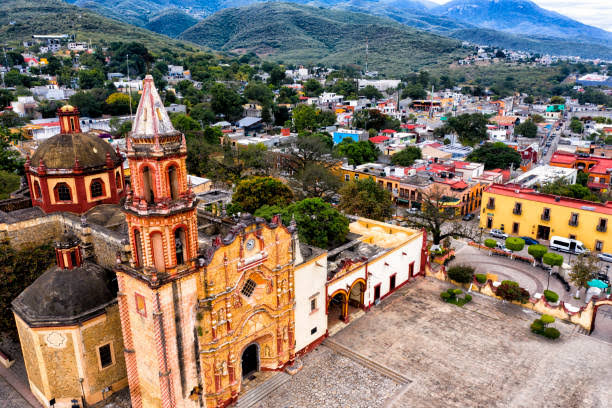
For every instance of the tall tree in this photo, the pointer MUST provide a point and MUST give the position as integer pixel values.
(365, 198)
(470, 128)
(226, 102)
(315, 181)
(583, 270)
(495, 156)
(439, 219)
(526, 129)
(252, 193)
(406, 157)
(357, 152)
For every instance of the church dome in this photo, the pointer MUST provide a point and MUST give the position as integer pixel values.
(65, 296)
(60, 151)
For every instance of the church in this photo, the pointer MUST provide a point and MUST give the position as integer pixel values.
(181, 305)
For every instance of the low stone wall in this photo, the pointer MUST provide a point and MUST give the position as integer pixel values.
(583, 316)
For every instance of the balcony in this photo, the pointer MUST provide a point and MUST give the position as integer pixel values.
(602, 228)
(545, 217)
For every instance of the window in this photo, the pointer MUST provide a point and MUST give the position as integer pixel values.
(141, 306)
(179, 245)
(603, 225)
(173, 182)
(73, 258)
(248, 288)
(313, 331)
(37, 192)
(515, 228)
(598, 246)
(546, 214)
(62, 192)
(572, 236)
(313, 304)
(574, 220)
(392, 282)
(491, 204)
(518, 209)
(118, 181)
(356, 176)
(96, 188)
(347, 177)
(105, 353)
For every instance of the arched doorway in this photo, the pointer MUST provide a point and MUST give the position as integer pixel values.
(250, 360)
(356, 295)
(601, 325)
(337, 307)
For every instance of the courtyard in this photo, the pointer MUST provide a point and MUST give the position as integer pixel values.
(481, 355)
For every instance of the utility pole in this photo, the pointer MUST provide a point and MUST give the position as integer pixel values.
(367, 52)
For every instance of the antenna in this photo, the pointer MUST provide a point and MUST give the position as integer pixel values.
(127, 57)
(431, 103)
(367, 52)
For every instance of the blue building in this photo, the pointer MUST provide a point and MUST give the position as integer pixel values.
(341, 134)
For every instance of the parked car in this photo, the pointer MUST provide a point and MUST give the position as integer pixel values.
(502, 247)
(571, 246)
(468, 217)
(605, 257)
(530, 241)
(498, 233)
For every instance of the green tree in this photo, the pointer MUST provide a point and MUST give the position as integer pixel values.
(369, 119)
(259, 92)
(6, 97)
(357, 152)
(184, 123)
(527, 129)
(370, 92)
(305, 118)
(470, 128)
(557, 100)
(538, 118)
(277, 76)
(584, 269)
(91, 103)
(552, 259)
(281, 115)
(537, 251)
(495, 155)
(287, 95)
(18, 270)
(9, 182)
(226, 102)
(406, 157)
(10, 119)
(312, 87)
(10, 159)
(414, 91)
(255, 158)
(512, 292)
(315, 181)
(515, 244)
(120, 128)
(461, 273)
(310, 148)
(365, 198)
(582, 178)
(561, 188)
(252, 193)
(528, 100)
(576, 125)
(91, 78)
(118, 103)
(202, 113)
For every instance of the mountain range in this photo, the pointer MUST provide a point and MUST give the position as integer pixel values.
(296, 33)
(514, 24)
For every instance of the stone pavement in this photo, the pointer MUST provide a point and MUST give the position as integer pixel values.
(481, 355)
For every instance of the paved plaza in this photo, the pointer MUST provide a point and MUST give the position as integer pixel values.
(481, 355)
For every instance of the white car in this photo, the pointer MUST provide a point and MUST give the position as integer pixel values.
(605, 257)
(498, 233)
(502, 247)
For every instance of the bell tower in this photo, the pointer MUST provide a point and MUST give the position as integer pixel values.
(157, 285)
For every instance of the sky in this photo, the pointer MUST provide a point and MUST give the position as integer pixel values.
(597, 13)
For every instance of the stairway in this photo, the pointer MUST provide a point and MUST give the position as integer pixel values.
(366, 362)
(253, 396)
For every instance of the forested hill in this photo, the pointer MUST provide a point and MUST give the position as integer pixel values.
(20, 19)
(302, 34)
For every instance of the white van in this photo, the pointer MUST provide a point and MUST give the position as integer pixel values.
(571, 246)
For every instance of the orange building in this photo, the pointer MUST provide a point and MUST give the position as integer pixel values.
(597, 168)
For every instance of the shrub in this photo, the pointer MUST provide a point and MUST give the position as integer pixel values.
(537, 251)
(461, 273)
(445, 296)
(468, 298)
(511, 291)
(457, 292)
(515, 243)
(490, 243)
(551, 333)
(551, 296)
(481, 278)
(451, 291)
(537, 326)
(547, 319)
(552, 259)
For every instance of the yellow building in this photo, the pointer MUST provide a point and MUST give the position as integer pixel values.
(525, 212)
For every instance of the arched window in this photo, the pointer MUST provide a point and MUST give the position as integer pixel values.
(180, 246)
(37, 192)
(118, 180)
(137, 248)
(173, 182)
(62, 192)
(147, 185)
(96, 188)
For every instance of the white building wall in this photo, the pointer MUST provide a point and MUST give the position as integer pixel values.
(310, 281)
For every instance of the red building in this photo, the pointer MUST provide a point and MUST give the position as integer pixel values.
(74, 171)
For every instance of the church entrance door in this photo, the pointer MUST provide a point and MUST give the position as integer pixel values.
(250, 360)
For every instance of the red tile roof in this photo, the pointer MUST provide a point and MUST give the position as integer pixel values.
(531, 195)
(388, 131)
(379, 139)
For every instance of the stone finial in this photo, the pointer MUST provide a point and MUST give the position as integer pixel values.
(77, 165)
